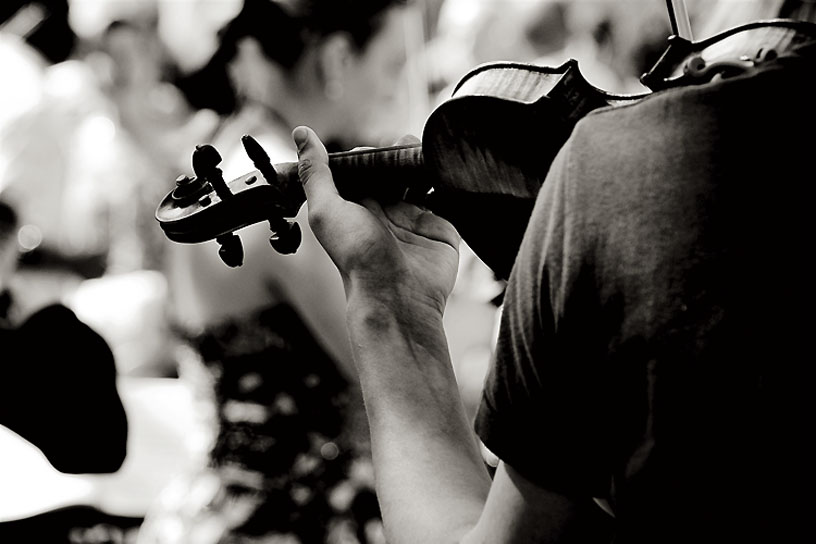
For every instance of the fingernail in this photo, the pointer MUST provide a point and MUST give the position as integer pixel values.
(300, 136)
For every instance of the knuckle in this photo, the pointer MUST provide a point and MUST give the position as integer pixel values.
(309, 170)
(305, 170)
(317, 218)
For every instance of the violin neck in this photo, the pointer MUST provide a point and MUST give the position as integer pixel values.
(384, 173)
(397, 156)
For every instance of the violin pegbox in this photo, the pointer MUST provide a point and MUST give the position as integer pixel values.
(205, 207)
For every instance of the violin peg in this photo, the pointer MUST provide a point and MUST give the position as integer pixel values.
(205, 159)
(205, 165)
(259, 157)
(254, 150)
(286, 236)
(231, 250)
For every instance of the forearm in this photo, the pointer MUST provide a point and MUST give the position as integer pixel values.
(431, 481)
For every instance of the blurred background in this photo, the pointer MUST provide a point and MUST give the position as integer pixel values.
(101, 106)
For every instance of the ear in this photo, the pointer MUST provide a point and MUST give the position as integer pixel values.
(335, 57)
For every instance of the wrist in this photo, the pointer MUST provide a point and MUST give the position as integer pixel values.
(392, 302)
(400, 350)
(398, 319)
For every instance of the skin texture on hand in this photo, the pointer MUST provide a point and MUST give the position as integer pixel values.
(397, 251)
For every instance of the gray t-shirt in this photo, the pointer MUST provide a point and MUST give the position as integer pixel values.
(656, 324)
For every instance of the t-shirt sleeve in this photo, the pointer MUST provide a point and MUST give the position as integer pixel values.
(541, 410)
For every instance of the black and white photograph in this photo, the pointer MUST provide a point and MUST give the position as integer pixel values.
(407, 271)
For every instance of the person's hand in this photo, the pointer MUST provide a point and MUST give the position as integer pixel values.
(391, 252)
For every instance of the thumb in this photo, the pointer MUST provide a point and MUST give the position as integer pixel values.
(313, 168)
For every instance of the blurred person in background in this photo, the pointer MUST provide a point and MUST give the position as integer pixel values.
(43, 24)
(59, 375)
(75, 164)
(157, 125)
(38, 138)
(58, 391)
(655, 345)
(58, 378)
(616, 42)
(78, 325)
(547, 33)
(154, 127)
(606, 38)
(290, 459)
(59, 167)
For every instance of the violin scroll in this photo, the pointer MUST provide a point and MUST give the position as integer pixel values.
(205, 207)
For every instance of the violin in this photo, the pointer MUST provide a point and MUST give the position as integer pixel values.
(484, 155)
(466, 169)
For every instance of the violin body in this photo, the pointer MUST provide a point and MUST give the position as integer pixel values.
(491, 144)
(484, 155)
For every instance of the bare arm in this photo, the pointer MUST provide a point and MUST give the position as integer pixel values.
(431, 481)
(398, 265)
